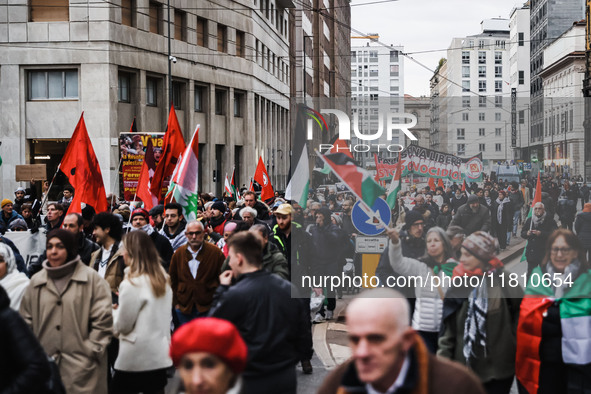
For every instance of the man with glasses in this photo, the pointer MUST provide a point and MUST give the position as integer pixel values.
(194, 274)
(536, 230)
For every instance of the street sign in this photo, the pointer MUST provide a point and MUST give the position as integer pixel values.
(373, 245)
(368, 223)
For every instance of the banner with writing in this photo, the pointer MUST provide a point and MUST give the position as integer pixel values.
(433, 164)
(132, 150)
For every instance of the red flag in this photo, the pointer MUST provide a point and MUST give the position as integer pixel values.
(432, 184)
(173, 145)
(81, 167)
(251, 186)
(538, 195)
(464, 186)
(440, 183)
(133, 128)
(262, 177)
(143, 186)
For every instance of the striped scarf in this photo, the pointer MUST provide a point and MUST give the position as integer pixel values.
(475, 324)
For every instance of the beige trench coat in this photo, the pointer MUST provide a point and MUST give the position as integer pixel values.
(74, 327)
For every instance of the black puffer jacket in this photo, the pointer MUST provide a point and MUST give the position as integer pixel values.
(271, 322)
(23, 363)
(583, 228)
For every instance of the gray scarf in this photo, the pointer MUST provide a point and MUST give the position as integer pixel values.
(536, 221)
(572, 269)
(148, 229)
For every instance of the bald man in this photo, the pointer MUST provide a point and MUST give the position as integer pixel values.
(388, 356)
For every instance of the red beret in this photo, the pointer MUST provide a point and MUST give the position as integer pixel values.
(140, 211)
(210, 335)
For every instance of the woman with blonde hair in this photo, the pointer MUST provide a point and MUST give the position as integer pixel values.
(142, 319)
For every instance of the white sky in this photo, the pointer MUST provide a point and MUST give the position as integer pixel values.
(421, 25)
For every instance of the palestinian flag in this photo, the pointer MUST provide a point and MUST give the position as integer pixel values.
(338, 146)
(575, 319)
(228, 187)
(184, 181)
(299, 184)
(235, 191)
(395, 185)
(359, 181)
(537, 199)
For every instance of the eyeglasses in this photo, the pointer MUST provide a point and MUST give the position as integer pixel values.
(193, 233)
(561, 250)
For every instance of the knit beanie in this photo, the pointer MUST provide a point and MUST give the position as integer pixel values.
(68, 239)
(5, 202)
(412, 217)
(140, 212)
(482, 245)
(220, 206)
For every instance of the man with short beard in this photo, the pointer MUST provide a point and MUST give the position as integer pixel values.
(536, 230)
(140, 221)
(458, 200)
(472, 216)
(174, 225)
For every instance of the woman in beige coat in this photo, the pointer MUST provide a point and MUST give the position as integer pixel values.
(68, 307)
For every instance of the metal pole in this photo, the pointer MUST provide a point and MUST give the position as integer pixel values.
(304, 68)
(505, 142)
(169, 63)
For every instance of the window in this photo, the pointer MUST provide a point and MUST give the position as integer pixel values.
(180, 25)
(393, 56)
(201, 32)
(465, 57)
(465, 102)
(482, 101)
(222, 38)
(465, 71)
(497, 132)
(239, 43)
(521, 39)
(199, 98)
(500, 44)
(49, 10)
(465, 86)
(481, 116)
(481, 57)
(482, 147)
(498, 86)
(155, 14)
(522, 117)
(177, 94)
(151, 92)
(394, 70)
(497, 147)
(461, 134)
(481, 44)
(465, 117)
(498, 57)
(124, 87)
(481, 132)
(461, 149)
(128, 13)
(220, 102)
(498, 71)
(53, 84)
(497, 117)
(482, 86)
(498, 101)
(482, 71)
(238, 102)
(521, 77)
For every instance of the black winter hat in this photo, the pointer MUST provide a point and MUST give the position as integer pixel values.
(412, 216)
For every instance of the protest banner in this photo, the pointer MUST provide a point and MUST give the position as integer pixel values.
(30, 246)
(430, 163)
(132, 150)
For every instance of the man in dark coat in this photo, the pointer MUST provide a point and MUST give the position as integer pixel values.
(140, 220)
(536, 230)
(472, 216)
(273, 327)
(388, 356)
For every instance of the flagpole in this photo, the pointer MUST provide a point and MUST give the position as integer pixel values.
(366, 208)
(117, 177)
(48, 189)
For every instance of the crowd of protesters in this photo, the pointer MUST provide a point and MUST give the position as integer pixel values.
(112, 287)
